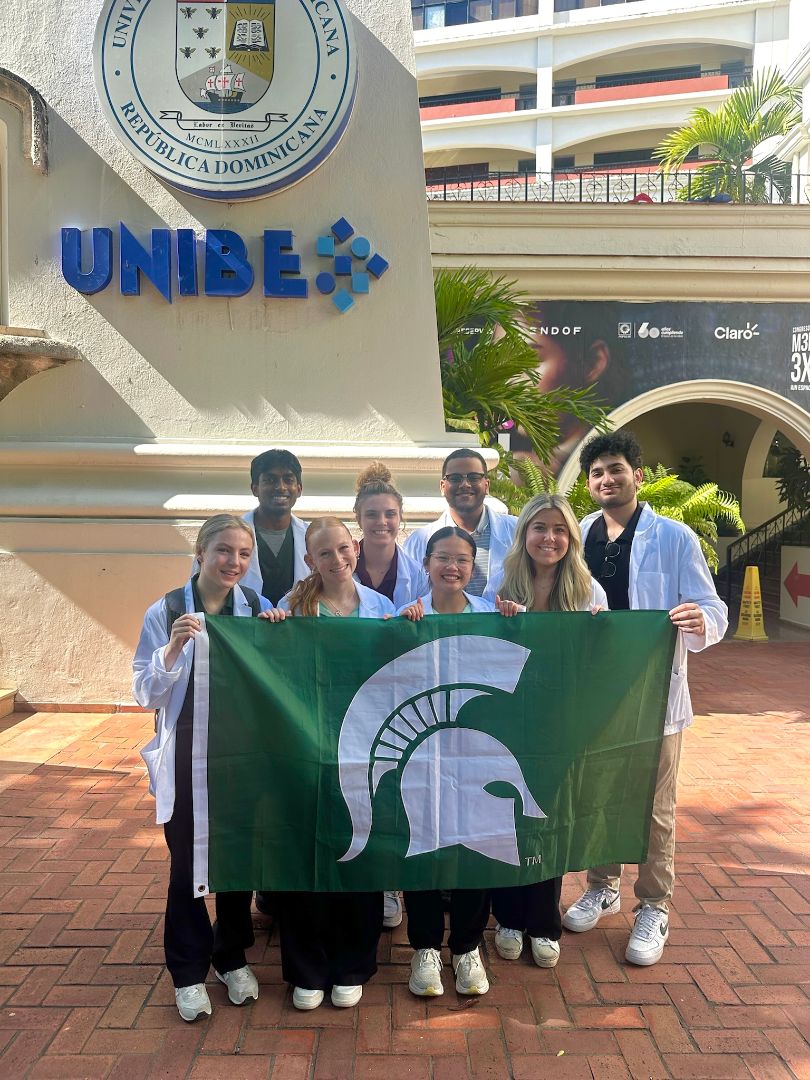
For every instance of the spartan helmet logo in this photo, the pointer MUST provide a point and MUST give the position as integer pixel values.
(445, 767)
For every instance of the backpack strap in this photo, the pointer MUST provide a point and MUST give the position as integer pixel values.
(175, 607)
(252, 598)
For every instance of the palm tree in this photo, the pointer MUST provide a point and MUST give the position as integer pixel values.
(753, 113)
(490, 381)
(700, 508)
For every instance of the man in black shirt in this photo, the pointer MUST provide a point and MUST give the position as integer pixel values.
(645, 561)
(278, 555)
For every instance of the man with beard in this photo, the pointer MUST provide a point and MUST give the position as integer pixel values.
(465, 485)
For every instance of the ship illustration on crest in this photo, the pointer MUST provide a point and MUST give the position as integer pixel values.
(224, 90)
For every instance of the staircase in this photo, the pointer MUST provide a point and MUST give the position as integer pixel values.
(7, 696)
(762, 547)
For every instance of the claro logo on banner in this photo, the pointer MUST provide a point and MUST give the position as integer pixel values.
(226, 99)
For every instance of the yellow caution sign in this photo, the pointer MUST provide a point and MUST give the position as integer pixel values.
(751, 625)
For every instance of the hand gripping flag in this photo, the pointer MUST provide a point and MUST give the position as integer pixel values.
(458, 752)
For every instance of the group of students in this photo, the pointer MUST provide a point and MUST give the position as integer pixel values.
(274, 566)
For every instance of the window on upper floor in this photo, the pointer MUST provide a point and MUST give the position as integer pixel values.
(457, 174)
(576, 5)
(430, 14)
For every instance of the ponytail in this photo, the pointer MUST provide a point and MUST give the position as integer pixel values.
(303, 599)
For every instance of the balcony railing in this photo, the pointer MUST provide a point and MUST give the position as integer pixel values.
(647, 85)
(595, 185)
(577, 5)
(476, 103)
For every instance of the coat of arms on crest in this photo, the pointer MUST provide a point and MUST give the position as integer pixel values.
(199, 91)
(225, 50)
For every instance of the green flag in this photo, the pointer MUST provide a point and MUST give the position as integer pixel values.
(461, 751)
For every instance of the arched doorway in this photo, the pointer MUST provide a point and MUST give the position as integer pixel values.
(768, 412)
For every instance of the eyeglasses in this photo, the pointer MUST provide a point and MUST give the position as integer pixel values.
(455, 478)
(612, 550)
(460, 561)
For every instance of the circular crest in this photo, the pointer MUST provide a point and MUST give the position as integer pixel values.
(227, 99)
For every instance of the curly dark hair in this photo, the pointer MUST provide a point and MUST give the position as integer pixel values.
(614, 443)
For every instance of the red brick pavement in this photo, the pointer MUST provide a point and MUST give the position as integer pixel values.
(83, 992)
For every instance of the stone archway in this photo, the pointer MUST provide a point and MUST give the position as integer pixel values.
(792, 419)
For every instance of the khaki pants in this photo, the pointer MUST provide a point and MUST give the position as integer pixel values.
(656, 877)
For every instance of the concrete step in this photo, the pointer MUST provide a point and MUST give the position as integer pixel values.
(7, 696)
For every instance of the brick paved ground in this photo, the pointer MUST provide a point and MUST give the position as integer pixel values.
(82, 875)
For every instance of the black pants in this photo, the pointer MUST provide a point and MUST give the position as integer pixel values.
(469, 912)
(329, 939)
(533, 908)
(190, 942)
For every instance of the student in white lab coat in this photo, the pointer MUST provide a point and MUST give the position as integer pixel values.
(278, 558)
(544, 571)
(163, 680)
(449, 561)
(329, 940)
(382, 565)
(645, 561)
(465, 486)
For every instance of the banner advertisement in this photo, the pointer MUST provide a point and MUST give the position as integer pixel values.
(627, 349)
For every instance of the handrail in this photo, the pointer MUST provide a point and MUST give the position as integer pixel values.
(602, 184)
(756, 540)
(477, 97)
(736, 78)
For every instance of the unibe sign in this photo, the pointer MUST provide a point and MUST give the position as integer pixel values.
(226, 267)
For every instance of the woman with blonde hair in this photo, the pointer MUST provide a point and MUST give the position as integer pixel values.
(163, 680)
(545, 570)
(329, 940)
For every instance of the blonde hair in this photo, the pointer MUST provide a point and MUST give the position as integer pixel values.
(304, 597)
(217, 524)
(375, 479)
(572, 586)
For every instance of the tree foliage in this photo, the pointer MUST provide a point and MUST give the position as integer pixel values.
(793, 484)
(490, 380)
(753, 113)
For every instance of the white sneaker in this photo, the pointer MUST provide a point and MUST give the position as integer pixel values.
(242, 984)
(589, 909)
(545, 952)
(471, 978)
(508, 943)
(192, 1001)
(392, 910)
(426, 973)
(307, 999)
(649, 936)
(343, 997)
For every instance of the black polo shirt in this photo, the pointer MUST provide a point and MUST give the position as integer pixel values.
(616, 586)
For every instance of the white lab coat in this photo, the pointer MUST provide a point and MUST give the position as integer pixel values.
(253, 577)
(477, 603)
(410, 580)
(253, 574)
(502, 532)
(667, 568)
(155, 687)
(373, 605)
